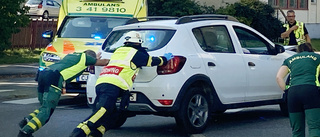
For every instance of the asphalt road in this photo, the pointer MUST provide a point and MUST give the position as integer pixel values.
(18, 70)
(18, 98)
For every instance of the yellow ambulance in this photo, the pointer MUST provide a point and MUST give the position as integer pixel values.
(84, 24)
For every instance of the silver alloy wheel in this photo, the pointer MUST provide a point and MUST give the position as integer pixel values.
(45, 15)
(198, 110)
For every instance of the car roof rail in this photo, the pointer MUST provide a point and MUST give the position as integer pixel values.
(193, 18)
(149, 18)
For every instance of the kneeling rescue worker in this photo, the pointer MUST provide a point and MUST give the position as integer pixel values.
(115, 80)
(50, 83)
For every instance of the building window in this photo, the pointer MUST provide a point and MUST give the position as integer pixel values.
(290, 4)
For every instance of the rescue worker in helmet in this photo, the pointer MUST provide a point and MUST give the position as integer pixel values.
(116, 79)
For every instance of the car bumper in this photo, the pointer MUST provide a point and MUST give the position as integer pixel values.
(145, 97)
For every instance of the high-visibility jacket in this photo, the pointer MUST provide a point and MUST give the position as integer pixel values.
(119, 71)
(73, 65)
(299, 33)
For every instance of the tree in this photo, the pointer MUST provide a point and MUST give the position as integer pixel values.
(177, 8)
(13, 17)
(256, 14)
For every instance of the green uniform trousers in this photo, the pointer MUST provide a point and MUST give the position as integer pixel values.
(304, 107)
(49, 92)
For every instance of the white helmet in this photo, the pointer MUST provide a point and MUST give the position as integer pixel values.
(133, 37)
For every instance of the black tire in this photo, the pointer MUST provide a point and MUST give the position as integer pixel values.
(45, 15)
(193, 116)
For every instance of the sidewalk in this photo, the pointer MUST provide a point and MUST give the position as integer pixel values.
(18, 70)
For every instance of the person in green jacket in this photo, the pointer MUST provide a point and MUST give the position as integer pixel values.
(114, 81)
(50, 84)
(303, 96)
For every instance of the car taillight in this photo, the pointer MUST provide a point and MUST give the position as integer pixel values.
(173, 66)
(91, 69)
(40, 6)
(166, 102)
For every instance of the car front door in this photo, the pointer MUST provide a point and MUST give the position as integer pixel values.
(262, 64)
(225, 68)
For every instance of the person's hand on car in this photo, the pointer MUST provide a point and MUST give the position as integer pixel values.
(168, 56)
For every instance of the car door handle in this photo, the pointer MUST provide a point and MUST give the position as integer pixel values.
(251, 64)
(211, 64)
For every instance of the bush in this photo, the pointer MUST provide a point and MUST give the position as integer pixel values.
(180, 8)
(12, 18)
(256, 14)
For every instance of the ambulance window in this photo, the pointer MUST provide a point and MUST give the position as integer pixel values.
(89, 27)
(152, 39)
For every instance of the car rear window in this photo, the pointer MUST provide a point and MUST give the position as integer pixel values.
(34, 2)
(152, 39)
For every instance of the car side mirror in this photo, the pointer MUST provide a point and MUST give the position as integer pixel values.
(279, 48)
(48, 35)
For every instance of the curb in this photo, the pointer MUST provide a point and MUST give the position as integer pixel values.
(18, 70)
(17, 76)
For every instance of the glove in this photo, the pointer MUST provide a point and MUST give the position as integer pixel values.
(125, 99)
(168, 56)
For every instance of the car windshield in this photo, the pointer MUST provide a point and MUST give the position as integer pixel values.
(89, 27)
(152, 39)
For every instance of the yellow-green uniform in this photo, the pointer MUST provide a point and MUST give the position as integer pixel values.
(49, 87)
(115, 79)
(303, 95)
(296, 37)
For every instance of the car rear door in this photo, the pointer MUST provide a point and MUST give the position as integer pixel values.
(224, 66)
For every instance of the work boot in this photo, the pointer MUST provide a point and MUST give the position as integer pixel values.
(77, 132)
(23, 134)
(23, 122)
(95, 133)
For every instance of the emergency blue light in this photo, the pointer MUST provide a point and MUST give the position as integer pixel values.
(41, 68)
(97, 37)
(152, 38)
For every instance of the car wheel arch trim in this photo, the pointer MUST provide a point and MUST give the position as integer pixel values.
(214, 99)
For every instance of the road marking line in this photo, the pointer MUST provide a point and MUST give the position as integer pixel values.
(23, 101)
(28, 66)
(6, 90)
(197, 135)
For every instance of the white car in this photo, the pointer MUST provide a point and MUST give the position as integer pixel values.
(218, 64)
(43, 8)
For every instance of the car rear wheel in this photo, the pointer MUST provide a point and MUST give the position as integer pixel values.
(193, 116)
(45, 15)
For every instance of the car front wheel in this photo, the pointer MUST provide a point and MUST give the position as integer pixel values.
(193, 116)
